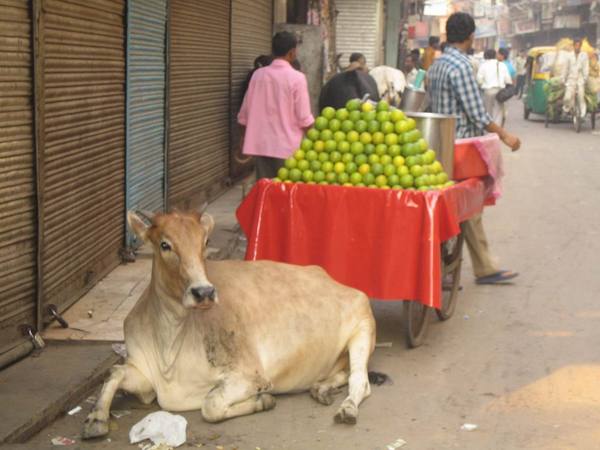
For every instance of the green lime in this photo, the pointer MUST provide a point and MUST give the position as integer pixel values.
(339, 136)
(353, 105)
(361, 126)
(283, 173)
(321, 123)
(383, 106)
(341, 114)
(361, 159)
(356, 178)
(374, 126)
(328, 112)
(347, 125)
(343, 147)
(354, 116)
(319, 176)
(352, 136)
(357, 148)
(351, 168)
(313, 134)
(306, 144)
(406, 181)
(315, 165)
(303, 164)
(331, 146)
(295, 175)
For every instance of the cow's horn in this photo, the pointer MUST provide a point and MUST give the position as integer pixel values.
(202, 209)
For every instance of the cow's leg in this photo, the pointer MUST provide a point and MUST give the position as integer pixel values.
(359, 348)
(323, 391)
(125, 377)
(236, 396)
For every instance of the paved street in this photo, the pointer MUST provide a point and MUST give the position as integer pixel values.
(520, 361)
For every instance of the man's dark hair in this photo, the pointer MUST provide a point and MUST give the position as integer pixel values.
(459, 27)
(262, 61)
(433, 41)
(490, 53)
(354, 57)
(283, 42)
(504, 52)
(471, 51)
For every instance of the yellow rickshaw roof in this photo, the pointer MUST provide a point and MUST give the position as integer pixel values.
(536, 51)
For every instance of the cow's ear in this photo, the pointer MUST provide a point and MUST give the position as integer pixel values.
(137, 225)
(208, 223)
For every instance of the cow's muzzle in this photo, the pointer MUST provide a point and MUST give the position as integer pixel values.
(202, 293)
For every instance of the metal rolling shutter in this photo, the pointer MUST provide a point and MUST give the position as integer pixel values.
(198, 99)
(357, 29)
(146, 22)
(18, 268)
(83, 148)
(251, 32)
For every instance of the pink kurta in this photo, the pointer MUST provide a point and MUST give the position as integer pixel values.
(275, 111)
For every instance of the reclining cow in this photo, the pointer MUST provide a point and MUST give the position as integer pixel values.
(223, 336)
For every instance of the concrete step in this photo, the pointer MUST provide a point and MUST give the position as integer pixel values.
(40, 388)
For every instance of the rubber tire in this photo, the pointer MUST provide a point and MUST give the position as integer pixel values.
(451, 264)
(526, 112)
(416, 322)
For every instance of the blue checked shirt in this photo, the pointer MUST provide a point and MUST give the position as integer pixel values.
(454, 90)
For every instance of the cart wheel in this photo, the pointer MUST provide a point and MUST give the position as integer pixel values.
(546, 119)
(451, 266)
(526, 112)
(416, 321)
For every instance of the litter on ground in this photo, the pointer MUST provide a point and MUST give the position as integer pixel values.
(160, 427)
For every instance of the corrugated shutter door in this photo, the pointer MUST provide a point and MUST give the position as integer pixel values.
(198, 92)
(357, 29)
(251, 33)
(84, 144)
(146, 104)
(17, 173)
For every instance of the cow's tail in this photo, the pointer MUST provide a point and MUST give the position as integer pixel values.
(378, 378)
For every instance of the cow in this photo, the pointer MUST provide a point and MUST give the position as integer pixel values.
(225, 336)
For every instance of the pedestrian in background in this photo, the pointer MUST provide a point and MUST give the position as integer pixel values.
(358, 61)
(454, 91)
(276, 109)
(578, 69)
(491, 77)
(430, 52)
(411, 69)
(502, 56)
(521, 67)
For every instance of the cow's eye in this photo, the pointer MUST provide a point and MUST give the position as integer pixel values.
(165, 246)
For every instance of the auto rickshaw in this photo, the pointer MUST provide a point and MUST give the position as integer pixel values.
(535, 100)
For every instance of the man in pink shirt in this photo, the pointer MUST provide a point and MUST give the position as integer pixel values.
(276, 109)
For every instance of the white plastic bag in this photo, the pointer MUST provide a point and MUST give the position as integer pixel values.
(160, 427)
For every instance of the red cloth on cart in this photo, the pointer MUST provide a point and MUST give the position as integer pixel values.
(385, 243)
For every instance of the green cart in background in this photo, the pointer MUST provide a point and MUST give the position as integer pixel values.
(535, 99)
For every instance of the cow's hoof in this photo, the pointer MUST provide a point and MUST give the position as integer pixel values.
(347, 413)
(268, 401)
(323, 396)
(94, 428)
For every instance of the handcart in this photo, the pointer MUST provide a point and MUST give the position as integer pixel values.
(394, 245)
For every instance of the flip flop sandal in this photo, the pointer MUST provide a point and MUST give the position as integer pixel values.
(497, 278)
